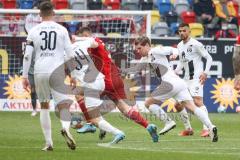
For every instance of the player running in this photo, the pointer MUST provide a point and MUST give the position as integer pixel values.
(170, 85)
(92, 85)
(114, 87)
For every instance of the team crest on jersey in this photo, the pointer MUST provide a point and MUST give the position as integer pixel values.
(189, 48)
(152, 58)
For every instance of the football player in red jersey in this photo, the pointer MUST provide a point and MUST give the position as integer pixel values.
(114, 86)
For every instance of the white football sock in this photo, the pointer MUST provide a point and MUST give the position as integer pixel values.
(203, 117)
(185, 119)
(204, 108)
(45, 122)
(65, 118)
(159, 113)
(104, 125)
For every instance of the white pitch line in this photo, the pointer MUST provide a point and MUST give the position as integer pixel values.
(169, 150)
(39, 147)
(184, 140)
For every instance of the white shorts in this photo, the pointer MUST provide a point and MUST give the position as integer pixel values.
(177, 90)
(44, 90)
(92, 92)
(195, 88)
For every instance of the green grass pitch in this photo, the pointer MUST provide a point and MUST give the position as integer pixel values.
(21, 138)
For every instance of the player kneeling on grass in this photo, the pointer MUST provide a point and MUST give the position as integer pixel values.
(170, 85)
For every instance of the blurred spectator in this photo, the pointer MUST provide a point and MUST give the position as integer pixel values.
(205, 11)
(226, 12)
(32, 19)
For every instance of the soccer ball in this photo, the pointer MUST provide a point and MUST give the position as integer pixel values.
(76, 121)
(221, 109)
(238, 109)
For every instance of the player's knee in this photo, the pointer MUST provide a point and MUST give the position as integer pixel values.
(78, 97)
(148, 102)
(179, 107)
(44, 105)
(198, 101)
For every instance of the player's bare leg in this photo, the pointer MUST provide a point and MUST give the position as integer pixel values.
(134, 115)
(95, 118)
(198, 101)
(45, 122)
(188, 131)
(203, 117)
(154, 108)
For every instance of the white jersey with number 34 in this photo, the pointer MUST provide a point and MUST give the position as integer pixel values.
(86, 70)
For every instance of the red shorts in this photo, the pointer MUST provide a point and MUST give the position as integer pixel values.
(114, 86)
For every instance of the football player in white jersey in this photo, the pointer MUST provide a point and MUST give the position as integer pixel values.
(92, 85)
(170, 85)
(50, 41)
(191, 53)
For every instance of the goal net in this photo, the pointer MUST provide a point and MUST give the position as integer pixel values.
(116, 28)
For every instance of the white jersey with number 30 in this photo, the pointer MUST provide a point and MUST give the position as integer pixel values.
(51, 42)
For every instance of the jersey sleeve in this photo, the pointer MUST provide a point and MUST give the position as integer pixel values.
(27, 58)
(164, 51)
(67, 45)
(30, 36)
(201, 50)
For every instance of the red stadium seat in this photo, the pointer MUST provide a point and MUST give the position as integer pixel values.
(60, 4)
(8, 4)
(112, 4)
(188, 17)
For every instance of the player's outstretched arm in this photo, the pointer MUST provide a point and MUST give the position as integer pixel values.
(135, 69)
(93, 43)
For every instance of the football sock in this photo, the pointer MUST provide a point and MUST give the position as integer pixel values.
(104, 125)
(65, 118)
(203, 117)
(34, 100)
(204, 108)
(84, 110)
(45, 122)
(185, 119)
(134, 115)
(159, 113)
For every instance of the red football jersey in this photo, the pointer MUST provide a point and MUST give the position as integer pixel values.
(102, 58)
(114, 87)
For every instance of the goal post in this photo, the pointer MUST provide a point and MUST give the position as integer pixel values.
(116, 28)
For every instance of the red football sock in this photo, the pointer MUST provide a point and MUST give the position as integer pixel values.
(84, 109)
(137, 117)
